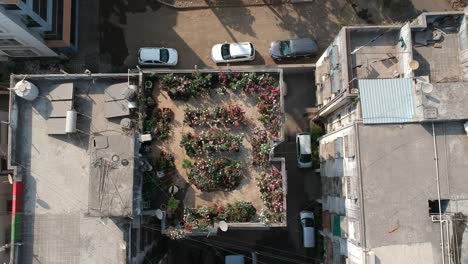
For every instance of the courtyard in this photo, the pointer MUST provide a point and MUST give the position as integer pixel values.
(213, 137)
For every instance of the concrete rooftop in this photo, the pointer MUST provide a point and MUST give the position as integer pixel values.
(399, 178)
(56, 173)
(376, 53)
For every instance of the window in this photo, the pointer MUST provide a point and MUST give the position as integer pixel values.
(285, 48)
(164, 55)
(20, 53)
(9, 42)
(434, 206)
(9, 206)
(225, 53)
(308, 222)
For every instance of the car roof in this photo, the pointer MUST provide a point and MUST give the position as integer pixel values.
(147, 54)
(303, 45)
(234, 259)
(240, 49)
(305, 141)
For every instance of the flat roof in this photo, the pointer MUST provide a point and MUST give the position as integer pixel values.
(399, 178)
(57, 172)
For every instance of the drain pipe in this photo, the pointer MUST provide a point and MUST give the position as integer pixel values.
(436, 158)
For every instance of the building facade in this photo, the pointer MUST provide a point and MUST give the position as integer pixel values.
(36, 28)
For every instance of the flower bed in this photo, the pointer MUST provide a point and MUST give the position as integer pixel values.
(261, 148)
(271, 189)
(185, 87)
(204, 217)
(224, 116)
(215, 174)
(210, 142)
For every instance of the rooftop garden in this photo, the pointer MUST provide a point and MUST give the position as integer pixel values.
(213, 134)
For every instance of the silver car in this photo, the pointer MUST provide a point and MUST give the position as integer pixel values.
(233, 52)
(293, 48)
(304, 150)
(308, 229)
(157, 56)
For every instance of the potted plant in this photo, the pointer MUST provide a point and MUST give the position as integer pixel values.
(165, 164)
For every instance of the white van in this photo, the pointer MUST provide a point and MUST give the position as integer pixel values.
(304, 150)
(308, 230)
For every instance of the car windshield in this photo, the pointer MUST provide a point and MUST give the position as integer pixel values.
(308, 222)
(285, 48)
(305, 158)
(225, 52)
(164, 55)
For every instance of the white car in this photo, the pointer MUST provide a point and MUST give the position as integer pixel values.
(304, 150)
(308, 230)
(157, 56)
(233, 52)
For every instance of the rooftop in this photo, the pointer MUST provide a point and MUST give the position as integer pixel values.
(402, 175)
(374, 52)
(59, 176)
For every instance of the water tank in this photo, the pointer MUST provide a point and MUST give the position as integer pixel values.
(70, 121)
(26, 90)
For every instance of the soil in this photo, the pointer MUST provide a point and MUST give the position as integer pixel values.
(192, 197)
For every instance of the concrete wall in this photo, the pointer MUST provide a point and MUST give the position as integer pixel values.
(12, 27)
(463, 42)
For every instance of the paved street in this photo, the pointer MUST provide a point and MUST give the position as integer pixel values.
(194, 32)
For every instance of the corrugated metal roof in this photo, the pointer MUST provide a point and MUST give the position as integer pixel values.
(386, 100)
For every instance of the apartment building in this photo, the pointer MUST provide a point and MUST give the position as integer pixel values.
(38, 28)
(393, 160)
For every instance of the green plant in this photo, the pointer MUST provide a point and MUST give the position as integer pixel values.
(173, 203)
(186, 164)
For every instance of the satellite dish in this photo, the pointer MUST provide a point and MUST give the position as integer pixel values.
(10, 179)
(159, 214)
(223, 226)
(414, 65)
(426, 88)
(123, 246)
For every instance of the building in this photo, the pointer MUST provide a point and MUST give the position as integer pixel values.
(34, 28)
(77, 167)
(393, 160)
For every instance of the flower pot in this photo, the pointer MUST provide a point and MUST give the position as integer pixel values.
(148, 84)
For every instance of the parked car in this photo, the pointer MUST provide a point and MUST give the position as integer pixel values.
(240, 259)
(157, 56)
(293, 48)
(308, 230)
(233, 52)
(304, 150)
